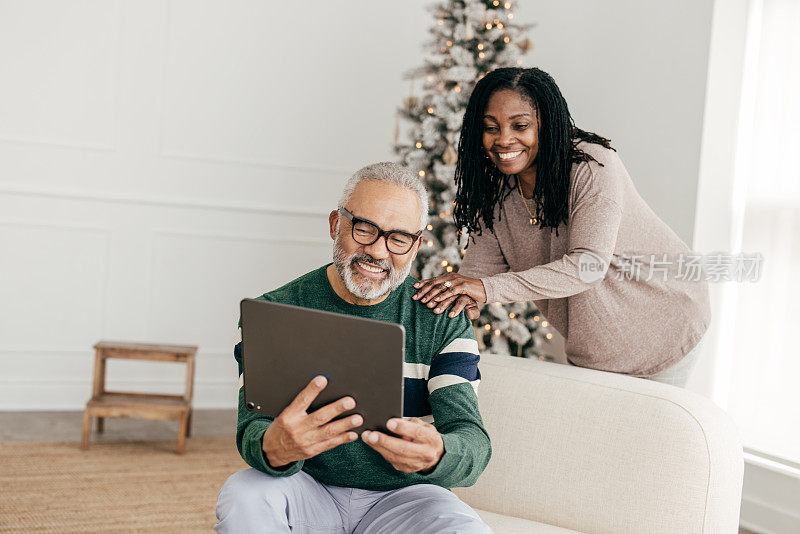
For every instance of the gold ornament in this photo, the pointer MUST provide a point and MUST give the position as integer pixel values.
(450, 157)
(525, 45)
(469, 32)
(410, 102)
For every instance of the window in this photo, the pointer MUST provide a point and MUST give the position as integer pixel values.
(765, 387)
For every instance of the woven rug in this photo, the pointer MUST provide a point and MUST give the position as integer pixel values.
(139, 486)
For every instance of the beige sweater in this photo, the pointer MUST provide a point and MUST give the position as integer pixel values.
(620, 321)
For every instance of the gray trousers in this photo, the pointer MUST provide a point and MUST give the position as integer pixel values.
(678, 374)
(251, 501)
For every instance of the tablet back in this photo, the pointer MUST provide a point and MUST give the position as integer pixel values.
(284, 347)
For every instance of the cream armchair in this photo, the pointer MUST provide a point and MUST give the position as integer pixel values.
(576, 450)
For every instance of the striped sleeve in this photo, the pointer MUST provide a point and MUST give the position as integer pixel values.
(453, 379)
(457, 363)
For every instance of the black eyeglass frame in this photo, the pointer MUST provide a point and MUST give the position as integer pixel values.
(381, 233)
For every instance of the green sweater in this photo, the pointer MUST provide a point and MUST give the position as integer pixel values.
(440, 378)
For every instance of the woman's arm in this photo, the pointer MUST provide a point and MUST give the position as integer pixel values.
(594, 222)
(592, 235)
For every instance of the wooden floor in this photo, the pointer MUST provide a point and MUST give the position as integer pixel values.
(66, 426)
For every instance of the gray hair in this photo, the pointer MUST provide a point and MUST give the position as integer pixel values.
(393, 173)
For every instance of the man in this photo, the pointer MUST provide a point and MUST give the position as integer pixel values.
(313, 474)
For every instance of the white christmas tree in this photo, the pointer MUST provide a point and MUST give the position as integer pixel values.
(469, 39)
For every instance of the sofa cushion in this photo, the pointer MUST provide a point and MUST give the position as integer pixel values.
(506, 524)
(602, 452)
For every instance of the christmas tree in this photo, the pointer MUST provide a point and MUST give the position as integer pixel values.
(469, 39)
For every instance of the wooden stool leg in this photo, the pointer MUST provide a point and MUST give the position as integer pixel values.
(182, 433)
(189, 423)
(100, 424)
(87, 428)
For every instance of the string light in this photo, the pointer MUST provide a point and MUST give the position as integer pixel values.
(430, 77)
(419, 145)
(429, 227)
(480, 46)
(481, 55)
(545, 323)
(430, 243)
(512, 315)
(507, 39)
(488, 25)
(421, 174)
(457, 88)
(500, 25)
(536, 318)
(487, 327)
(449, 268)
(507, 5)
(496, 3)
(497, 332)
(549, 336)
(430, 110)
(444, 263)
(440, 22)
(510, 15)
(496, 21)
(449, 43)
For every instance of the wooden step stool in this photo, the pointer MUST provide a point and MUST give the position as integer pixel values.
(139, 405)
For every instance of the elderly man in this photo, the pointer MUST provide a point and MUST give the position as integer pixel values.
(311, 472)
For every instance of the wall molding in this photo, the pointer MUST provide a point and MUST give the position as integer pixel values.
(769, 495)
(256, 162)
(110, 198)
(309, 241)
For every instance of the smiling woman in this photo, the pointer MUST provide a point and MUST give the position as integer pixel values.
(554, 218)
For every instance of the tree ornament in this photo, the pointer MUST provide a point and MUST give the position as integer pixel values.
(450, 157)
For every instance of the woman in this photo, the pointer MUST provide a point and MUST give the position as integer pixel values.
(554, 217)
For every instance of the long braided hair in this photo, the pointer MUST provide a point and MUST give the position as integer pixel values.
(481, 185)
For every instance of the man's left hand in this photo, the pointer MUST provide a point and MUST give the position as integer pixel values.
(418, 450)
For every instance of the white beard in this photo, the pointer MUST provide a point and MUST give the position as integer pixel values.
(360, 286)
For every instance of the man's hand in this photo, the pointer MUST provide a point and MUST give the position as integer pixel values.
(419, 450)
(297, 435)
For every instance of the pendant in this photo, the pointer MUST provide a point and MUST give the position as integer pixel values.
(532, 220)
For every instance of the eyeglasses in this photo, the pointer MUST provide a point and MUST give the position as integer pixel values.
(366, 233)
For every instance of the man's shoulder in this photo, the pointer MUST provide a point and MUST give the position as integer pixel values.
(295, 291)
(441, 327)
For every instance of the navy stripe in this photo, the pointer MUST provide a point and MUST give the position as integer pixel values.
(237, 354)
(463, 364)
(415, 398)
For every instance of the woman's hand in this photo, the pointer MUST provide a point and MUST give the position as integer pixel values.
(442, 291)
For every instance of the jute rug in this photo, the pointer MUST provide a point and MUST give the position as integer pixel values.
(140, 486)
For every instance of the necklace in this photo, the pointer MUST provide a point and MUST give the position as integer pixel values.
(533, 220)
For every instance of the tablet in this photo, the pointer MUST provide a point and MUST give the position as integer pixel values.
(284, 347)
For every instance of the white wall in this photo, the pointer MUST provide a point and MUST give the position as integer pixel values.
(161, 160)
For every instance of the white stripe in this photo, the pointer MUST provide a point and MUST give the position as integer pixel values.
(461, 345)
(443, 381)
(238, 335)
(241, 380)
(416, 370)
